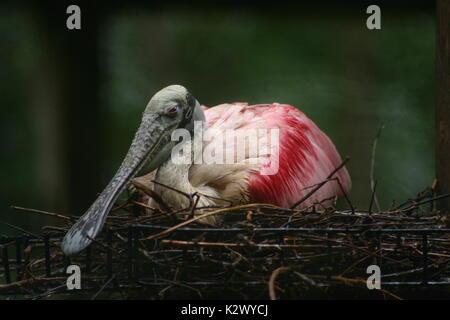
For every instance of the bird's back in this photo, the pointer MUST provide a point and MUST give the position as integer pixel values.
(304, 157)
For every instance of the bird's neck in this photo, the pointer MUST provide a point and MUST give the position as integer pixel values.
(174, 177)
(174, 174)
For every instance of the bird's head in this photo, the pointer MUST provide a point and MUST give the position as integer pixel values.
(169, 109)
(175, 106)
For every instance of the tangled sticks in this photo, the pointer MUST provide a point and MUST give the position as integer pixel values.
(261, 251)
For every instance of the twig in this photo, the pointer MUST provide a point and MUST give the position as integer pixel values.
(51, 214)
(204, 216)
(177, 283)
(352, 208)
(191, 215)
(230, 244)
(49, 292)
(321, 184)
(103, 287)
(372, 198)
(21, 283)
(173, 189)
(416, 204)
(152, 194)
(372, 166)
(355, 281)
(273, 276)
(20, 229)
(144, 205)
(216, 198)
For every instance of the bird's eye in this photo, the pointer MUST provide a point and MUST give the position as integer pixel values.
(171, 111)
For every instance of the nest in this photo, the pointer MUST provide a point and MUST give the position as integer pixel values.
(261, 251)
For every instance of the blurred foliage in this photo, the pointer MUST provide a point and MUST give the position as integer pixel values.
(346, 78)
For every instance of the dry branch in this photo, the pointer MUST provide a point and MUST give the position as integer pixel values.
(260, 251)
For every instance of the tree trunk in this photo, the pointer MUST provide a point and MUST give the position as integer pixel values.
(443, 100)
(68, 105)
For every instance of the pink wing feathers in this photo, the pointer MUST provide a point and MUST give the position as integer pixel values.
(306, 155)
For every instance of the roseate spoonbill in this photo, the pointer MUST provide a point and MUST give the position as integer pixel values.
(305, 157)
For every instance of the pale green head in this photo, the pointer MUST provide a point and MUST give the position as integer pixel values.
(169, 109)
